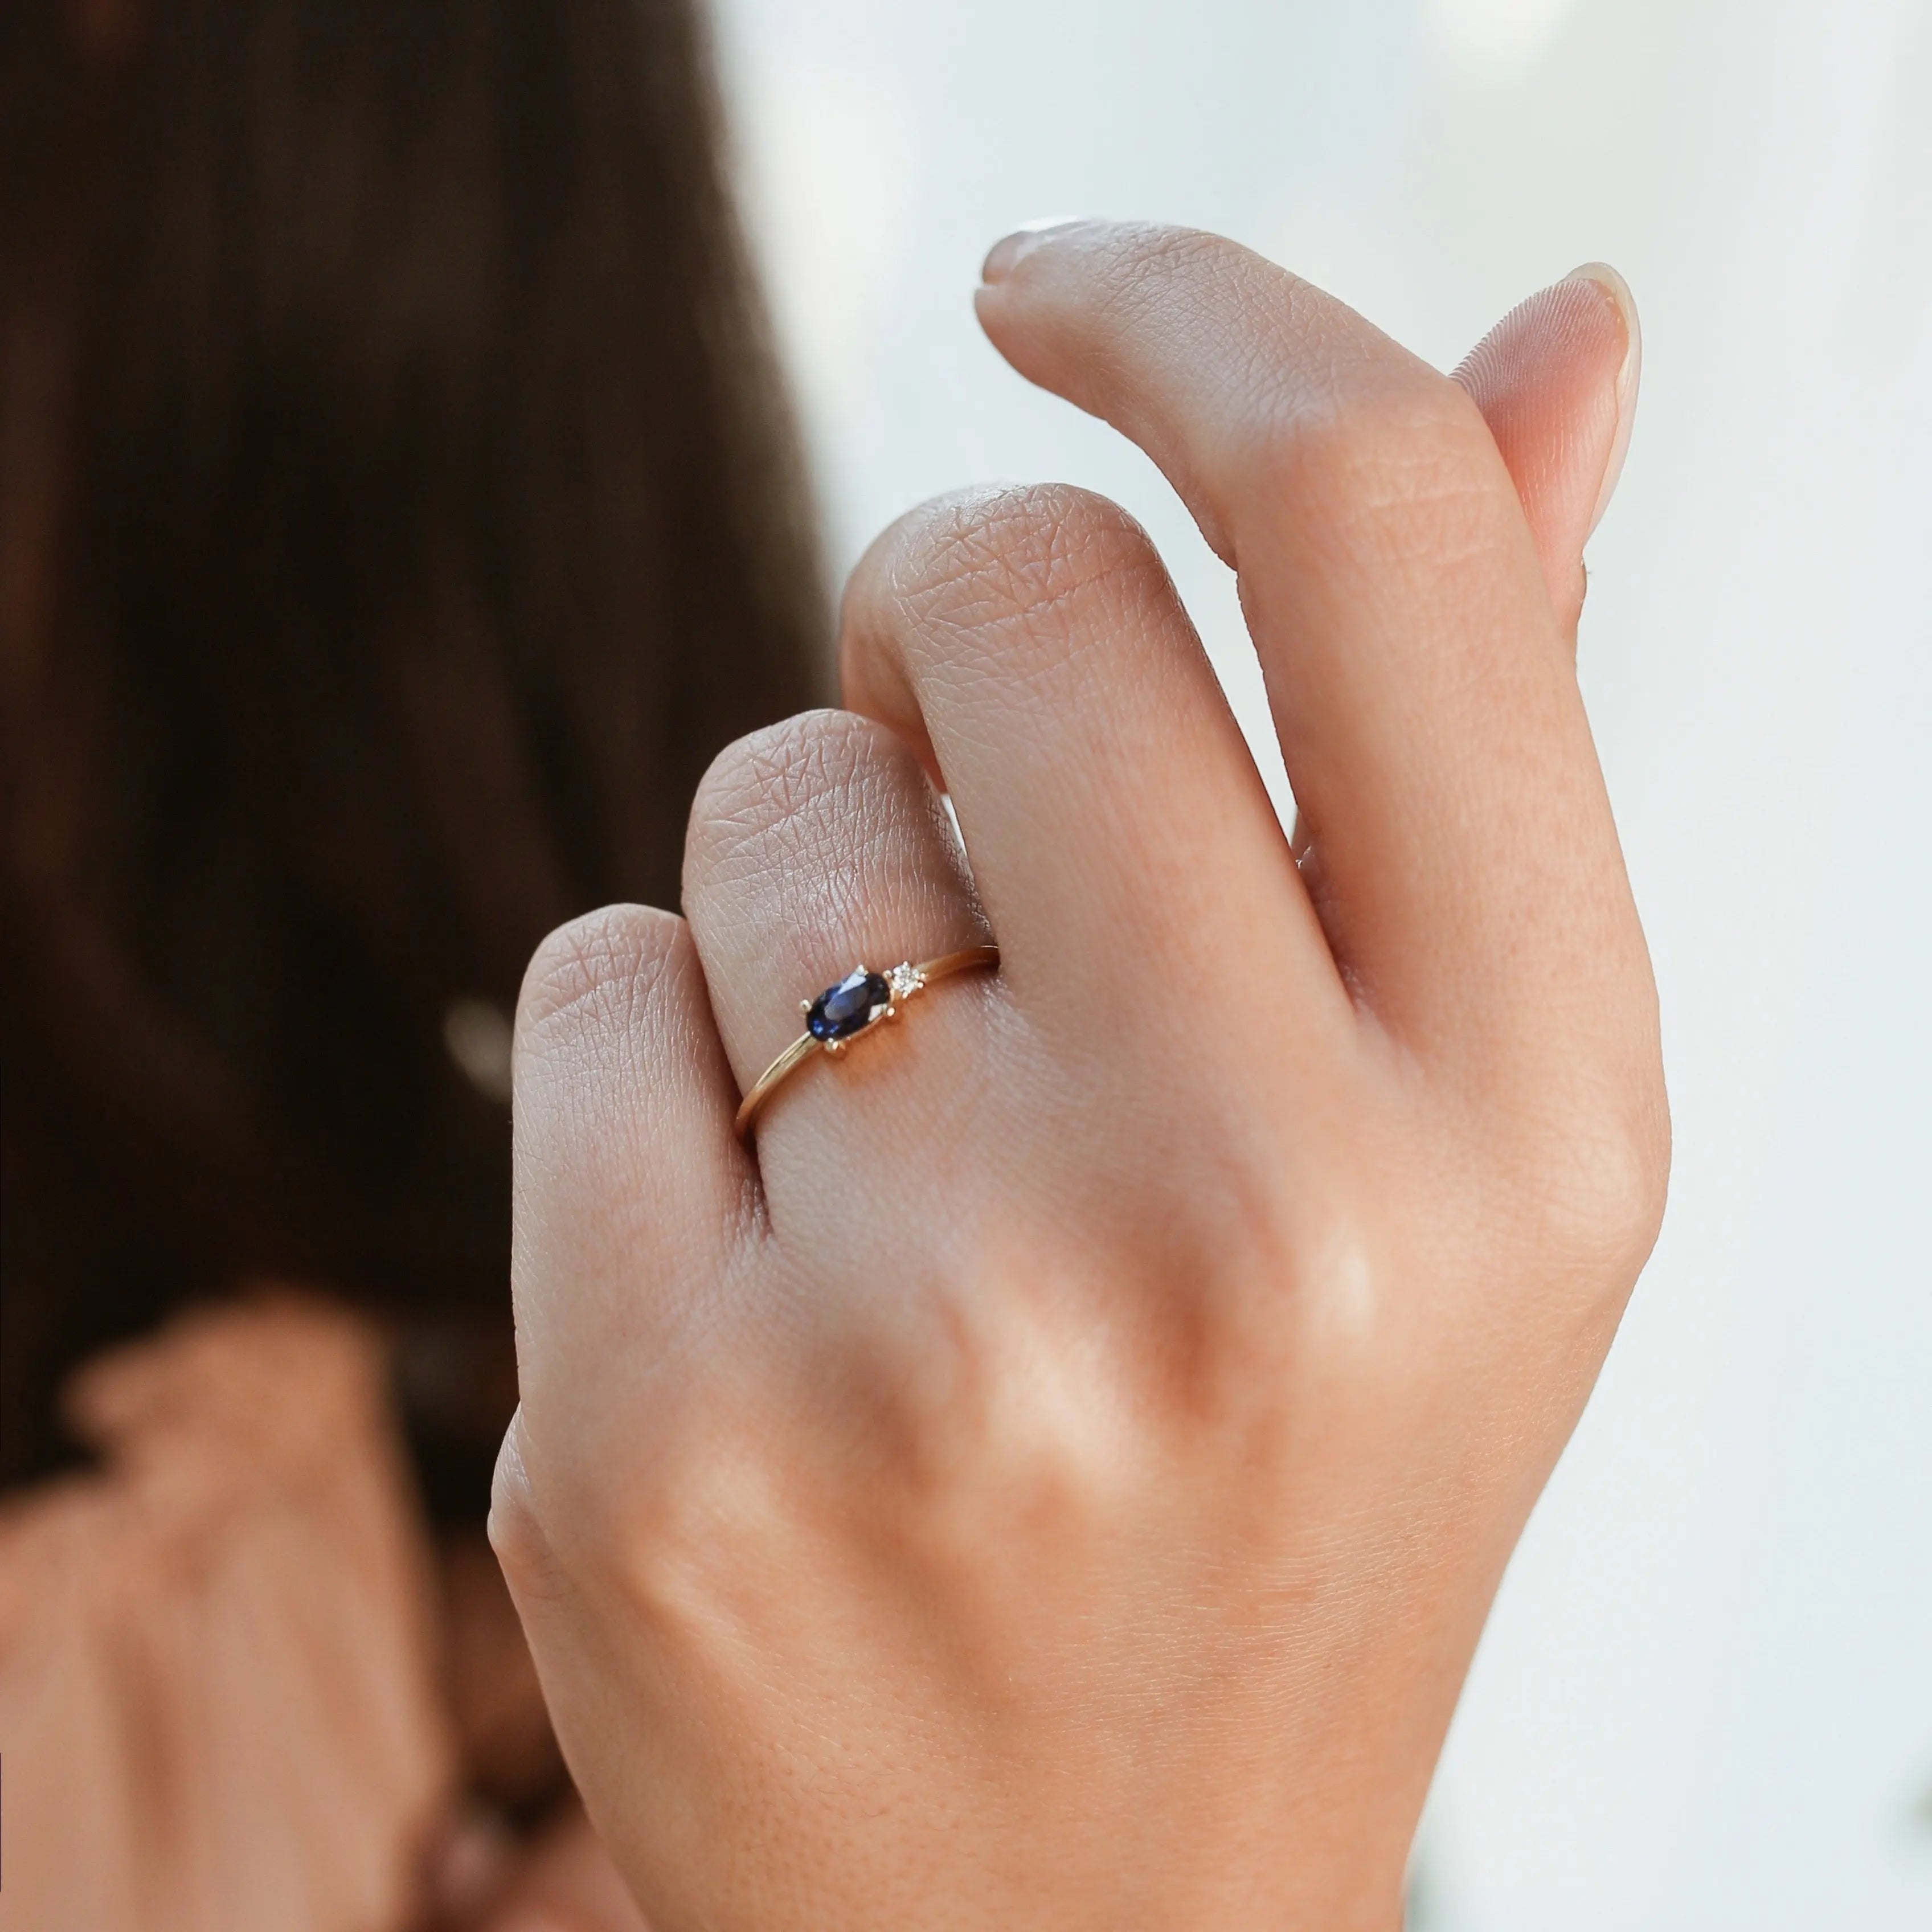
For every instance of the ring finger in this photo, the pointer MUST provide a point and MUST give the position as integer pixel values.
(816, 847)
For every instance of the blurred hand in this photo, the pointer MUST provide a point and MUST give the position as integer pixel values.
(566, 1882)
(483, 1878)
(1057, 1477)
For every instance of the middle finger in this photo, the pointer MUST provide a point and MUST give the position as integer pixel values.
(1121, 838)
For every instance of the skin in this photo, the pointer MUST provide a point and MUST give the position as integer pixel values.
(1057, 1476)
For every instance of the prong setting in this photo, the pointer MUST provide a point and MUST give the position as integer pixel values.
(843, 1012)
(857, 1004)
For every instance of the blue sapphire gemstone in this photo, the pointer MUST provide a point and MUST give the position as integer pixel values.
(849, 1007)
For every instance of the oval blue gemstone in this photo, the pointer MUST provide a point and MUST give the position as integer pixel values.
(849, 1007)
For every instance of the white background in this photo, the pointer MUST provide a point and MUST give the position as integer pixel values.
(1705, 1698)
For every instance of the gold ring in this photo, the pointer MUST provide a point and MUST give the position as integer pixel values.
(860, 1001)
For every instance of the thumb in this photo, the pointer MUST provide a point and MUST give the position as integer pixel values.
(1556, 380)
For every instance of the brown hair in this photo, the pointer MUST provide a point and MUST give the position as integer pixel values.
(397, 513)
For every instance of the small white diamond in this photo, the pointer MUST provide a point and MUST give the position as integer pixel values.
(904, 980)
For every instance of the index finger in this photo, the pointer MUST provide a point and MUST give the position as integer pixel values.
(1466, 868)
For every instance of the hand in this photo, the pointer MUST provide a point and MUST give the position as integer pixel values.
(1057, 1476)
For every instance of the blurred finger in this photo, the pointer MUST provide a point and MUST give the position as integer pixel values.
(567, 1883)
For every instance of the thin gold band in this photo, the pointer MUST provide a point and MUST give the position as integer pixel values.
(902, 983)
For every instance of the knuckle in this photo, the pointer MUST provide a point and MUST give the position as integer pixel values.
(1600, 1193)
(522, 1546)
(601, 967)
(1637, 1184)
(1020, 562)
(785, 783)
(1044, 1382)
(1017, 1444)
(1402, 447)
(785, 799)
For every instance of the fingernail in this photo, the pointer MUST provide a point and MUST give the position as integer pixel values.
(1628, 377)
(1007, 253)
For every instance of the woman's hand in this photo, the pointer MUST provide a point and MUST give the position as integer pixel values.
(1057, 1476)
